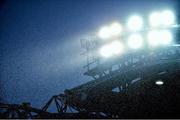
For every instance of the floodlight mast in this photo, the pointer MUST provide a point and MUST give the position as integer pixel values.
(132, 37)
(120, 92)
(142, 65)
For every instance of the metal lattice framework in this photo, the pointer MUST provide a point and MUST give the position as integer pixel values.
(132, 79)
(122, 87)
(20, 111)
(119, 93)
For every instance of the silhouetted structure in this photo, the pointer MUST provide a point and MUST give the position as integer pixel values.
(129, 91)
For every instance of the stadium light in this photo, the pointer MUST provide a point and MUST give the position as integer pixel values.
(166, 37)
(115, 29)
(135, 23)
(159, 37)
(155, 19)
(168, 18)
(117, 47)
(153, 38)
(159, 82)
(114, 48)
(105, 51)
(135, 41)
(162, 19)
(157, 33)
(104, 33)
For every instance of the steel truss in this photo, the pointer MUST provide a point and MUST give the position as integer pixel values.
(125, 92)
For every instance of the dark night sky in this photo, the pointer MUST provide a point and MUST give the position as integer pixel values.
(40, 42)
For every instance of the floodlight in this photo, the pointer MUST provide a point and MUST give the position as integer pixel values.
(135, 41)
(164, 19)
(117, 47)
(155, 19)
(168, 18)
(114, 48)
(115, 29)
(135, 23)
(166, 37)
(104, 33)
(153, 37)
(105, 51)
(157, 37)
(159, 82)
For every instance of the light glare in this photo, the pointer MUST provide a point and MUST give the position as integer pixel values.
(162, 19)
(115, 48)
(160, 37)
(168, 18)
(166, 37)
(153, 38)
(135, 23)
(104, 33)
(115, 29)
(159, 82)
(105, 51)
(135, 41)
(155, 19)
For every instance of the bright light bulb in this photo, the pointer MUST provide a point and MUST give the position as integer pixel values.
(104, 33)
(154, 37)
(162, 19)
(155, 19)
(135, 23)
(117, 47)
(168, 18)
(160, 37)
(159, 82)
(166, 37)
(115, 29)
(105, 51)
(135, 41)
(114, 48)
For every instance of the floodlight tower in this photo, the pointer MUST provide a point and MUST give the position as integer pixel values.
(119, 45)
(133, 62)
(135, 70)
